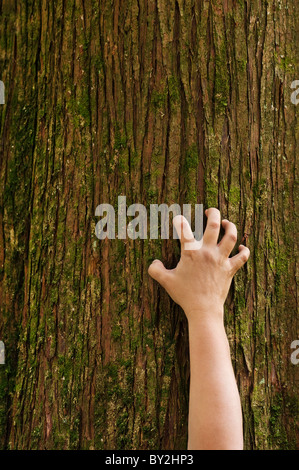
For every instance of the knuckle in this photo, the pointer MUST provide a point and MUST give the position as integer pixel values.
(208, 255)
(244, 255)
(233, 237)
(214, 225)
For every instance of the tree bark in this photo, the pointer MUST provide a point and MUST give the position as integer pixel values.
(163, 102)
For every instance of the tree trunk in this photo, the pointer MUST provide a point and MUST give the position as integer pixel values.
(163, 102)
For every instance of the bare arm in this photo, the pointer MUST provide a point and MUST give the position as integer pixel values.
(200, 284)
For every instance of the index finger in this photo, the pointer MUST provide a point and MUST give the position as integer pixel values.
(210, 237)
(185, 234)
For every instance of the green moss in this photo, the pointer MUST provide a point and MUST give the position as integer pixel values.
(234, 196)
(278, 434)
(116, 332)
(211, 187)
(221, 80)
(120, 140)
(158, 100)
(174, 89)
(191, 159)
(241, 65)
(122, 430)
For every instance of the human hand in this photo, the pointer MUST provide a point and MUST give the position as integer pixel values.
(202, 278)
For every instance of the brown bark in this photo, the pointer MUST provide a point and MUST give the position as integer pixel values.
(179, 101)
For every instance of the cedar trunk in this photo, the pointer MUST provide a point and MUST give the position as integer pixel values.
(163, 102)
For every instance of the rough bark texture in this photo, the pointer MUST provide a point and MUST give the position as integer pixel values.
(161, 101)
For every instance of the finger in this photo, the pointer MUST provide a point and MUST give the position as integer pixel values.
(229, 239)
(210, 237)
(158, 272)
(184, 231)
(240, 259)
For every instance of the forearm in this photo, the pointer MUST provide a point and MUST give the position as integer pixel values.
(215, 416)
(200, 284)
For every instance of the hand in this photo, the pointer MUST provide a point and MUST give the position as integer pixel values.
(201, 280)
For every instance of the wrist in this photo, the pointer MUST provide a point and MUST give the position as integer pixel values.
(205, 328)
(205, 315)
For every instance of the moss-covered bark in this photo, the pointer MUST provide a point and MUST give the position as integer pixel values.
(162, 102)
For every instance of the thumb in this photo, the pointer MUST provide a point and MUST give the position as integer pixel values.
(158, 272)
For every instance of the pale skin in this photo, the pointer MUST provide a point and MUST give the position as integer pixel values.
(200, 284)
